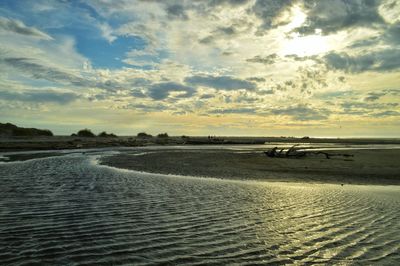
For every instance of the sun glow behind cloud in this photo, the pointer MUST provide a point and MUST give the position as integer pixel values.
(305, 45)
(295, 43)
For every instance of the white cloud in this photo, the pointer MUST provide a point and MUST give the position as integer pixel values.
(14, 26)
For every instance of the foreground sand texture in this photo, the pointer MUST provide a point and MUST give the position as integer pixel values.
(68, 210)
(365, 167)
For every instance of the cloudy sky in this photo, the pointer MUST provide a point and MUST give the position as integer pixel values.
(200, 67)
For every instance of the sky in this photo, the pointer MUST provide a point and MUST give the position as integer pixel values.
(320, 68)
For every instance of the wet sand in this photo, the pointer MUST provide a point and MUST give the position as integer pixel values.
(365, 167)
(68, 210)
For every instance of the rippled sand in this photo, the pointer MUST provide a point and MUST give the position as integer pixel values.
(68, 210)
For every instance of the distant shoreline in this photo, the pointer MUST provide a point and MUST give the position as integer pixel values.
(10, 144)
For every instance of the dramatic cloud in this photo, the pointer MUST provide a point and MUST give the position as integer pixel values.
(392, 34)
(189, 65)
(331, 16)
(366, 107)
(256, 79)
(302, 112)
(40, 71)
(268, 60)
(220, 82)
(386, 113)
(16, 26)
(386, 60)
(160, 91)
(268, 11)
(176, 11)
(146, 107)
(373, 96)
(244, 110)
(39, 96)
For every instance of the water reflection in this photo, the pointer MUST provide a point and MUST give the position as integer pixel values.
(67, 210)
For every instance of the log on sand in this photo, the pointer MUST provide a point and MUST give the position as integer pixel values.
(294, 152)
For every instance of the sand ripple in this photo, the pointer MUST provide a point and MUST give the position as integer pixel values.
(68, 211)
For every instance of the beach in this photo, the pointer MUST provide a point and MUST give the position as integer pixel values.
(369, 161)
(364, 166)
(210, 203)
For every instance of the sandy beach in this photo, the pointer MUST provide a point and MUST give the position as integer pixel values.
(378, 166)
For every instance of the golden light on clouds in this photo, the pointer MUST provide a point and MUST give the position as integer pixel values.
(291, 66)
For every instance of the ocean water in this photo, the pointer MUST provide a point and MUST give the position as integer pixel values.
(68, 210)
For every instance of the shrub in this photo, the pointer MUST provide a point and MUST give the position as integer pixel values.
(106, 135)
(144, 135)
(85, 133)
(162, 135)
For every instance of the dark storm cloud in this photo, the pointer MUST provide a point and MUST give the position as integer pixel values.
(381, 61)
(302, 112)
(18, 27)
(266, 60)
(39, 96)
(334, 15)
(160, 91)
(220, 82)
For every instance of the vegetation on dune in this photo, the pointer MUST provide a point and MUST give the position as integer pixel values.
(144, 135)
(86, 133)
(106, 135)
(10, 130)
(162, 135)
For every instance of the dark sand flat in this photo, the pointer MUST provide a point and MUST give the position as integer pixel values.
(365, 167)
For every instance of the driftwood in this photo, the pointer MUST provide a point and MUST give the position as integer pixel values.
(293, 152)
